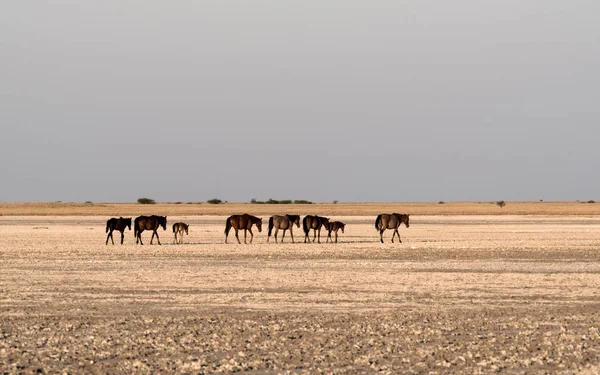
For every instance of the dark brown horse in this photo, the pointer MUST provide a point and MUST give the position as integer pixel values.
(393, 221)
(314, 223)
(117, 224)
(334, 227)
(284, 222)
(152, 223)
(180, 228)
(244, 222)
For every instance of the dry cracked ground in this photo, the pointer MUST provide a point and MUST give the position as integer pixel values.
(462, 295)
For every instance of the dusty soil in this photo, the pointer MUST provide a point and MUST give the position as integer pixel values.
(461, 294)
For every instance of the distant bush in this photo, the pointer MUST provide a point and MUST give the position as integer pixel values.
(214, 201)
(591, 201)
(441, 202)
(302, 201)
(89, 202)
(335, 202)
(146, 201)
(178, 202)
(501, 204)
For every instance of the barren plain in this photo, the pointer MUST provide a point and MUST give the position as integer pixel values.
(494, 292)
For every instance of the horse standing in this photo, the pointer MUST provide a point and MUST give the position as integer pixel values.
(334, 227)
(314, 223)
(152, 223)
(244, 222)
(284, 222)
(117, 224)
(180, 228)
(393, 221)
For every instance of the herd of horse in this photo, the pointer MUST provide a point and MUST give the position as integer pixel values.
(245, 222)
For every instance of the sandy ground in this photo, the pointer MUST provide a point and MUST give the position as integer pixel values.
(461, 294)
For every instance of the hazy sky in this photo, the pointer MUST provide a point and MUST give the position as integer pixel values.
(413, 100)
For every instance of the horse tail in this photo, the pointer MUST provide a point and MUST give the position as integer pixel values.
(305, 224)
(377, 221)
(107, 225)
(270, 225)
(227, 226)
(135, 228)
(174, 228)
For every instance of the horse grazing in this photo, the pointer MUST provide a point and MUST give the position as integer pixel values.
(334, 227)
(179, 228)
(393, 221)
(117, 224)
(152, 223)
(284, 222)
(314, 223)
(244, 222)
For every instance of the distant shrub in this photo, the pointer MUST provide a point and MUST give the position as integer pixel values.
(254, 201)
(302, 201)
(501, 204)
(214, 201)
(146, 201)
(89, 202)
(591, 201)
(441, 202)
(178, 202)
(335, 202)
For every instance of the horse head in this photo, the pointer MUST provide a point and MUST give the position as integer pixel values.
(297, 220)
(259, 224)
(405, 220)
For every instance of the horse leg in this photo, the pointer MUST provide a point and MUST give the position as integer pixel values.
(122, 236)
(107, 237)
(236, 236)
(152, 238)
(319, 237)
(381, 234)
(393, 234)
(251, 234)
(175, 240)
(292, 234)
(140, 238)
(157, 239)
(398, 233)
(336, 236)
(275, 234)
(283, 236)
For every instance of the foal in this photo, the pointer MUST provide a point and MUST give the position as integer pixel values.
(179, 228)
(334, 227)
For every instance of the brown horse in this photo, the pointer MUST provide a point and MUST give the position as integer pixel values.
(314, 223)
(393, 221)
(244, 222)
(334, 227)
(179, 228)
(117, 224)
(284, 222)
(152, 223)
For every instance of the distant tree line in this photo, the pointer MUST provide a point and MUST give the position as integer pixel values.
(284, 201)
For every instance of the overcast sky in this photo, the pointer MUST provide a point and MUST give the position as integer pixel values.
(414, 100)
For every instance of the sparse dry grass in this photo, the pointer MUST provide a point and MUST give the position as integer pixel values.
(327, 209)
